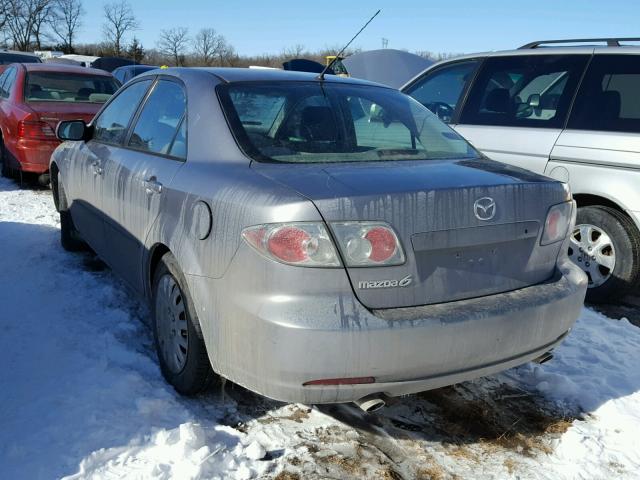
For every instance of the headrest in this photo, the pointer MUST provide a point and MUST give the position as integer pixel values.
(498, 100)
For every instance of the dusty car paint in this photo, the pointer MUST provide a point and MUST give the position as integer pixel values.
(273, 327)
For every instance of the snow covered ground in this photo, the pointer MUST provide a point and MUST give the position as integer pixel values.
(81, 395)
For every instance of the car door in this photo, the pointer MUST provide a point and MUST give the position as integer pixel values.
(518, 105)
(441, 89)
(87, 163)
(138, 174)
(604, 126)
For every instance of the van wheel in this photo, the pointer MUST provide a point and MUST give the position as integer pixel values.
(606, 245)
(179, 341)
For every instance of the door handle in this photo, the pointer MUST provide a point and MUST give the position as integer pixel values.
(97, 169)
(152, 185)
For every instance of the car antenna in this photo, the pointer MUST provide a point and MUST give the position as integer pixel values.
(330, 64)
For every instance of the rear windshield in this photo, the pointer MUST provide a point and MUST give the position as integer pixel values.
(7, 58)
(65, 87)
(313, 122)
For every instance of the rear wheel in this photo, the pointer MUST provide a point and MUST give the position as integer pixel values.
(6, 169)
(606, 245)
(179, 341)
(70, 237)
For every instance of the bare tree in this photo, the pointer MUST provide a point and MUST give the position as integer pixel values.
(206, 45)
(41, 22)
(296, 51)
(24, 18)
(66, 20)
(5, 8)
(173, 43)
(119, 20)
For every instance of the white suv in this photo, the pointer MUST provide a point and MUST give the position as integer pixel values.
(571, 112)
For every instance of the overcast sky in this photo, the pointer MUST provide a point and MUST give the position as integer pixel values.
(255, 27)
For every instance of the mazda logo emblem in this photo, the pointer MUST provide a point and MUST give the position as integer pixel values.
(484, 208)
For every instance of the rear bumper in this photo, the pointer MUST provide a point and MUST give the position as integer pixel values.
(273, 344)
(33, 156)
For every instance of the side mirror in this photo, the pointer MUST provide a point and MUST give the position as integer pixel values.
(73, 130)
(378, 115)
(534, 100)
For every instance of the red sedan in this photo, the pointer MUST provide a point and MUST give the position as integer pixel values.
(33, 99)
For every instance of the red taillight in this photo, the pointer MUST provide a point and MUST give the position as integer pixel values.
(383, 243)
(368, 244)
(552, 223)
(35, 130)
(557, 223)
(289, 244)
(303, 243)
(340, 381)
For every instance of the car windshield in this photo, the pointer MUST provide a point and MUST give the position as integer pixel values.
(314, 122)
(68, 87)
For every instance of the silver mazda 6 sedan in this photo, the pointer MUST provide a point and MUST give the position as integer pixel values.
(316, 240)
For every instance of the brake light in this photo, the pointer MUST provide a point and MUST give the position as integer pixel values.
(341, 381)
(304, 244)
(368, 244)
(35, 130)
(557, 223)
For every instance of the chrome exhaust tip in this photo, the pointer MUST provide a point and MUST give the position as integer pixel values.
(371, 403)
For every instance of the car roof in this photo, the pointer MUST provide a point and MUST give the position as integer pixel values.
(63, 68)
(136, 67)
(543, 50)
(15, 52)
(232, 75)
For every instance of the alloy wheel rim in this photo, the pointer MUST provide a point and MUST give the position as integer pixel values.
(171, 324)
(592, 249)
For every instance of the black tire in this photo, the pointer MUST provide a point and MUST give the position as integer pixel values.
(70, 237)
(625, 239)
(196, 374)
(7, 172)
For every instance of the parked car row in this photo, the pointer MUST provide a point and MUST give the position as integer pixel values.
(34, 97)
(321, 239)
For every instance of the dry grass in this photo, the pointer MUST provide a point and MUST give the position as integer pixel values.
(507, 419)
(298, 415)
(284, 475)
(510, 465)
(432, 472)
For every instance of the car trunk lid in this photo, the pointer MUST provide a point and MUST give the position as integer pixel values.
(54, 112)
(451, 253)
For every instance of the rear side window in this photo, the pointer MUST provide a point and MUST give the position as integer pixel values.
(111, 125)
(8, 81)
(160, 120)
(524, 91)
(440, 90)
(609, 98)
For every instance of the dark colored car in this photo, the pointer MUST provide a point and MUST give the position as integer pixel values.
(126, 73)
(34, 97)
(7, 57)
